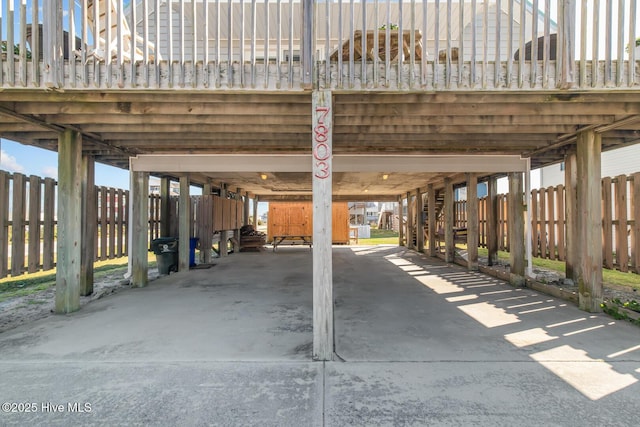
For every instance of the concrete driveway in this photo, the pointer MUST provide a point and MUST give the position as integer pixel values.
(418, 342)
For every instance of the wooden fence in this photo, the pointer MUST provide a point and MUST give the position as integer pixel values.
(620, 224)
(28, 221)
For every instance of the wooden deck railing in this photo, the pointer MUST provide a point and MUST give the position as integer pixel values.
(298, 44)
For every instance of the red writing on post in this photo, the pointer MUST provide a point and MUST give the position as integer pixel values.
(321, 150)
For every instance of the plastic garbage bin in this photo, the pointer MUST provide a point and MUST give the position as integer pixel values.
(193, 242)
(166, 250)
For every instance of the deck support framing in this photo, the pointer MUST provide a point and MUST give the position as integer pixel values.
(323, 339)
(68, 268)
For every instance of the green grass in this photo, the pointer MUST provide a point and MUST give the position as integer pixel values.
(27, 284)
(380, 237)
(609, 277)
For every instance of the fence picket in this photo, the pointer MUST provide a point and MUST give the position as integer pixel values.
(622, 236)
(551, 241)
(18, 225)
(635, 235)
(607, 231)
(560, 215)
(49, 225)
(34, 224)
(4, 226)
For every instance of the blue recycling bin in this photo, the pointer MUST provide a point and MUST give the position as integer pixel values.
(193, 242)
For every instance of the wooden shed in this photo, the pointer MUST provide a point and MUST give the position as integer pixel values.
(296, 219)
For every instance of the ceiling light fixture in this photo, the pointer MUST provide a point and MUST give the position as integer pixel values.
(263, 176)
(385, 176)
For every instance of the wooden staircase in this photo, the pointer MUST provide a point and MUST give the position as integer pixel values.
(425, 208)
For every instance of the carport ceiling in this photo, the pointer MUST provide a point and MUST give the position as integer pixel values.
(118, 125)
(355, 177)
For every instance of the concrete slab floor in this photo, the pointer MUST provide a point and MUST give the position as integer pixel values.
(424, 343)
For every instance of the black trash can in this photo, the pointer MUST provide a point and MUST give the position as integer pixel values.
(166, 250)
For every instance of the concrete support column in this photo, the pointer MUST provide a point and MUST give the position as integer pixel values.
(400, 221)
(589, 221)
(410, 221)
(139, 229)
(492, 220)
(431, 206)
(68, 267)
(322, 111)
(472, 221)
(449, 244)
(571, 206)
(516, 228)
(184, 224)
(89, 224)
(165, 216)
(420, 221)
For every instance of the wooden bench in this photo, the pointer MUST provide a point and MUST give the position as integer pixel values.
(291, 240)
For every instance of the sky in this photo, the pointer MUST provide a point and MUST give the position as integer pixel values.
(15, 157)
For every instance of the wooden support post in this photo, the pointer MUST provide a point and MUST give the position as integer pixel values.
(69, 222)
(472, 221)
(432, 226)
(89, 224)
(223, 249)
(449, 244)
(139, 229)
(207, 209)
(589, 221)
(236, 231)
(255, 212)
(571, 223)
(492, 220)
(247, 209)
(165, 207)
(420, 221)
(184, 225)
(322, 225)
(410, 224)
(516, 229)
(400, 221)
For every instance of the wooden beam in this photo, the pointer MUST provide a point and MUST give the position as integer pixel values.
(431, 206)
(492, 220)
(449, 243)
(69, 222)
(571, 211)
(516, 229)
(184, 227)
(139, 196)
(472, 221)
(89, 224)
(342, 163)
(322, 225)
(589, 221)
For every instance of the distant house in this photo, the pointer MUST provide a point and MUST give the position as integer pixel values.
(621, 161)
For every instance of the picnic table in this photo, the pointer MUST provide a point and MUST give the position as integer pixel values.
(292, 240)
